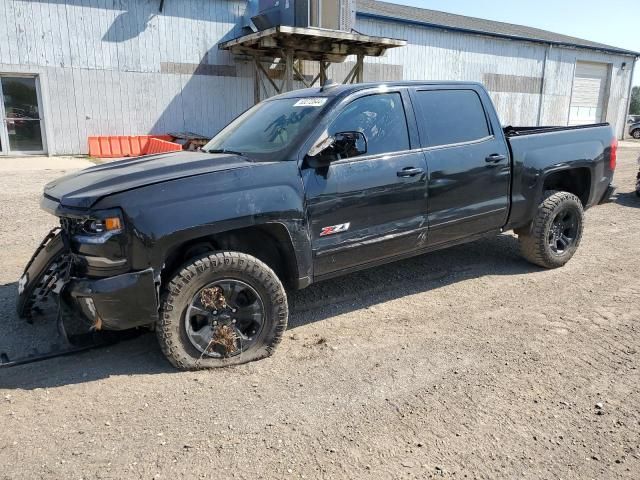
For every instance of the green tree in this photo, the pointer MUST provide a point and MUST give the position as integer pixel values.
(634, 108)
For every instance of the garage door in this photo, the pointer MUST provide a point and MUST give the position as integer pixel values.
(589, 92)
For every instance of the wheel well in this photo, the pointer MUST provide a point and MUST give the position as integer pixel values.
(576, 181)
(269, 243)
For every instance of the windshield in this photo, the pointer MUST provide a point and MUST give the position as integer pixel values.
(270, 129)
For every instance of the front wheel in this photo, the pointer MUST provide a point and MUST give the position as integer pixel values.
(556, 230)
(636, 134)
(222, 309)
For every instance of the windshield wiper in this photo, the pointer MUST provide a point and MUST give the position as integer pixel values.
(224, 150)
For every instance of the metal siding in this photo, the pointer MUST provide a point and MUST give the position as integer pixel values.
(102, 60)
(559, 81)
(102, 63)
(435, 54)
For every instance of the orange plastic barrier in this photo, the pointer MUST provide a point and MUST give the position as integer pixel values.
(115, 146)
(160, 146)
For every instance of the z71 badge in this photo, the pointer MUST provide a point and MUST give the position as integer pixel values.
(335, 229)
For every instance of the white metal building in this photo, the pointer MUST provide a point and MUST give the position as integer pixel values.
(74, 68)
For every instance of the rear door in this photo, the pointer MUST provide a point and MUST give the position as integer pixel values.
(372, 206)
(467, 159)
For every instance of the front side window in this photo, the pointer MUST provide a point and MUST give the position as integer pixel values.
(448, 117)
(380, 118)
(271, 129)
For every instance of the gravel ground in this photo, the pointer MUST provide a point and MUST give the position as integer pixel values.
(466, 363)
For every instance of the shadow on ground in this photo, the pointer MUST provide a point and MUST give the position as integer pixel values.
(630, 199)
(426, 273)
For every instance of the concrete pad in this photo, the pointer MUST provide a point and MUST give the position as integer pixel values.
(39, 163)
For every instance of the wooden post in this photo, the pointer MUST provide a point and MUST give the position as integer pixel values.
(256, 81)
(360, 69)
(323, 73)
(288, 71)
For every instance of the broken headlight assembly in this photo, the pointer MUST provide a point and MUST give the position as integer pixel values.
(95, 228)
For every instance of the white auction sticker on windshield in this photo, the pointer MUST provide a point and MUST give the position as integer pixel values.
(311, 102)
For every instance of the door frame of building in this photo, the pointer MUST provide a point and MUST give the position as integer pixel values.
(4, 133)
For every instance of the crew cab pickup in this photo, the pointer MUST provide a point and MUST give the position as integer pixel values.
(305, 186)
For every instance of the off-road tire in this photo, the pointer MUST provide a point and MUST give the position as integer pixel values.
(534, 243)
(201, 271)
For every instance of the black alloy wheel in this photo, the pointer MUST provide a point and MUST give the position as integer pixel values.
(224, 318)
(563, 232)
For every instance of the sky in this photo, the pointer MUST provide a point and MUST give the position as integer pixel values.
(614, 22)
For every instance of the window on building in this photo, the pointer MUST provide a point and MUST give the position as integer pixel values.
(380, 118)
(451, 116)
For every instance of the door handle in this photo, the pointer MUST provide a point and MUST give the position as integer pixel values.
(495, 158)
(410, 172)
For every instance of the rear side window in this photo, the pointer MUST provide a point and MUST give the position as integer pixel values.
(451, 116)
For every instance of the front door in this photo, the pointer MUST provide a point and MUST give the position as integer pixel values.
(469, 168)
(370, 206)
(21, 127)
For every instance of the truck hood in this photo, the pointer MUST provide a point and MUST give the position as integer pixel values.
(82, 189)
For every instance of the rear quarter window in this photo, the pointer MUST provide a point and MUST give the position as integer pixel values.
(448, 117)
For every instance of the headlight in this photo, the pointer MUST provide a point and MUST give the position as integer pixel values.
(95, 228)
(98, 226)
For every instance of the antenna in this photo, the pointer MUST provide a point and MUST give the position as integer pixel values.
(328, 84)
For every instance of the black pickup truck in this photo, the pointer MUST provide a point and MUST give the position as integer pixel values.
(300, 188)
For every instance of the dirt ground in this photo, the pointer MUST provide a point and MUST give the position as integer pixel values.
(466, 363)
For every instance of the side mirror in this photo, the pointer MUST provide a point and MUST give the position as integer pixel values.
(323, 146)
(350, 144)
(332, 148)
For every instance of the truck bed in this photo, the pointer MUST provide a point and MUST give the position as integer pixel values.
(539, 151)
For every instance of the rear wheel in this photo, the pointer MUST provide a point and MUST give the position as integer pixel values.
(636, 134)
(556, 230)
(222, 309)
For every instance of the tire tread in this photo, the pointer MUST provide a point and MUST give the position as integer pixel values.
(533, 243)
(199, 266)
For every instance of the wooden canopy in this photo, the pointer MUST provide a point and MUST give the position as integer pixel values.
(316, 44)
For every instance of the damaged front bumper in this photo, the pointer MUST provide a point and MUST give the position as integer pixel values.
(119, 302)
(115, 303)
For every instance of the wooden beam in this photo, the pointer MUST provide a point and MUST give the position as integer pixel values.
(301, 77)
(351, 75)
(266, 75)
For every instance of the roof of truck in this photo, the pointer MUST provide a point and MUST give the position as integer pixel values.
(336, 89)
(461, 23)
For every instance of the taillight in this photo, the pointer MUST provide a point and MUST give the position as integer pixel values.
(614, 154)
